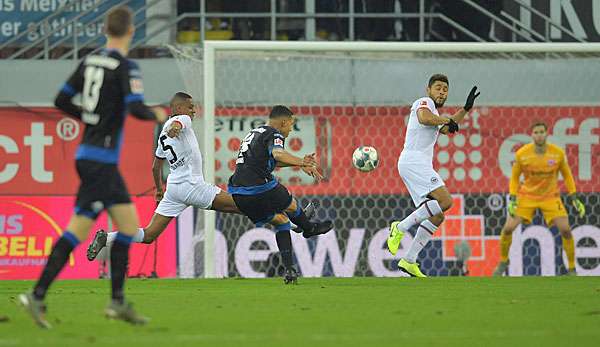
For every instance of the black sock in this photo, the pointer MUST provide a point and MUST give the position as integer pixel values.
(119, 257)
(56, 261)
(300, 219)
(284, 243)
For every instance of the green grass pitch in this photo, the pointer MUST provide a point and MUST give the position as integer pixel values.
(528, 311)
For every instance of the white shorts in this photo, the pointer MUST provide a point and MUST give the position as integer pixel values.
(420, 179)
(181, 195)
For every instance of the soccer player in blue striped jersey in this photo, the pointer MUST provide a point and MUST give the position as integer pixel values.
(109, 85)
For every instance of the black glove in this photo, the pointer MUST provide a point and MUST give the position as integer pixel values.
(471, 99)
(452, 126)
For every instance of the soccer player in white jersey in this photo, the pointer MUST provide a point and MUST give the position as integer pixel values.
(415, 165)
(177, 143)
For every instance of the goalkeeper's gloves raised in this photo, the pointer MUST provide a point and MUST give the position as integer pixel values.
(512, 205)
(471, 99)
(577, 204)
(452, 126)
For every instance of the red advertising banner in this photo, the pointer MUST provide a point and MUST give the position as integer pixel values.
(29, 226)
(478, 159)
(37, 151)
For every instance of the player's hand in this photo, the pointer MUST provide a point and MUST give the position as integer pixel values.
(175, 130)
(313, 172)
(452, 126)
(160, 114)
(578, 205)
(158, 195)
(471, 99)
(512, 205)
(309, 160)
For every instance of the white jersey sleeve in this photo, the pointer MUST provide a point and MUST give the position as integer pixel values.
(159, 153)
(182, 152)
(420, 139)
(426, 103)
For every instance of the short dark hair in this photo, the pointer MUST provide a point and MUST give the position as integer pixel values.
(280, 111)
(539, 124)
(437, 77)
(117, 21)
(178, 97)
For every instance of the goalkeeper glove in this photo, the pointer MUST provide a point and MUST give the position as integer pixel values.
(512, 205)
(471, 99)
(577, 204)
(452, 126)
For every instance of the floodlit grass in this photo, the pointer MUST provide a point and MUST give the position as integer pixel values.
(452, 311)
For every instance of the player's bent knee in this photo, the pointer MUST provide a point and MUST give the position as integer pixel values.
(445, 205)
(438, 219)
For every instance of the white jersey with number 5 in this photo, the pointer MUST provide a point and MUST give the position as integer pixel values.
(182, 152)
(420, 139)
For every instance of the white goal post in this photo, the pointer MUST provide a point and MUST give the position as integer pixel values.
(211, 50)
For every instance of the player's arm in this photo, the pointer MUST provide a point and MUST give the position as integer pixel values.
(157, 166)
(308, 164)
(284, 158)
(426, 117)
(567, 175)
(178, 124)
(458, 117)
(513, 187)
(72, 87)
(133, 89)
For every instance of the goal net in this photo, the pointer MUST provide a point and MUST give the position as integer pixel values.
(350, 94)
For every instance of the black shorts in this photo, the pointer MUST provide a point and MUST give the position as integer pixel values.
(261, 208)
(101, 186)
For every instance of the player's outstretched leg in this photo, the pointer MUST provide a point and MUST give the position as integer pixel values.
(103, 241)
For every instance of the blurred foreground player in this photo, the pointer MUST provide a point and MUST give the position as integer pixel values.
(110, 85)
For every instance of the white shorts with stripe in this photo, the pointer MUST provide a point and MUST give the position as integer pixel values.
(181, 195)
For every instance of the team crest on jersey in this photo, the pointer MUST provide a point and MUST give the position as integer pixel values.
(551, 161)
(278, 142)
(434, 180)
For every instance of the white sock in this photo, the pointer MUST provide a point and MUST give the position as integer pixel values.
(428, 209)
(138, 237)
(424, 235)
(111, 238)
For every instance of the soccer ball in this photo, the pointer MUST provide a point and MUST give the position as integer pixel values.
(365, 158)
